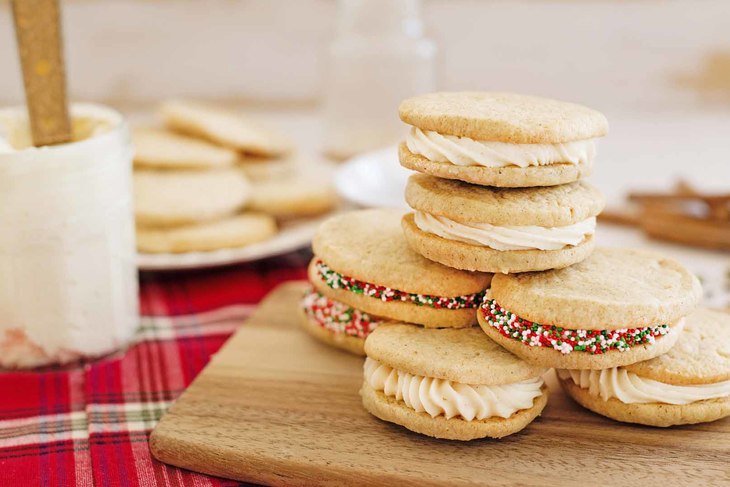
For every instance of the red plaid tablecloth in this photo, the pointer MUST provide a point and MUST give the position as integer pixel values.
(88, 424)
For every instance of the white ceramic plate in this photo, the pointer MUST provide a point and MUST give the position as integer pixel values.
(292, 236)
(374, 179)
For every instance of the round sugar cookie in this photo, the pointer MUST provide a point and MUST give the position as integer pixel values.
(700, 358)
(458, 355)
(552, 206)
(174, 198)
(236, 231)
(469, 361)
(525, 138)
(388, 409)
(294, 197)
(223, 127)
(650, 414)
(613, 288)
(265, 169)
(362, 259)
(160, 149)
(617, 307)
(503, 117)
(469, 205)
(461, 255)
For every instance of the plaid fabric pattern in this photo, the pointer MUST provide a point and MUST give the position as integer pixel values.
(88, 424)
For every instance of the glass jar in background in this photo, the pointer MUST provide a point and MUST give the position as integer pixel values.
(379, 57)
(68, 276)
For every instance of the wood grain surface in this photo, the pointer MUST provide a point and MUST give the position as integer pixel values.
(276, 407)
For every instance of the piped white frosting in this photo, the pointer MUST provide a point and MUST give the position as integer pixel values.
(438, 397)
(630, 388)
(463, 151)
(506, 237)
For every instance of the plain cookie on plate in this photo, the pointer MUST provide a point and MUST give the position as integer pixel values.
(453, 384)
(160, 149)
(293, 197)
(361, 259)
(174, 198)
(617, 307)
(500, 139)
(223, 127)
(689, 384)
(504, 230)
(232, 232)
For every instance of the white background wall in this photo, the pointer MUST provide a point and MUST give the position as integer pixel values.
(611, 54)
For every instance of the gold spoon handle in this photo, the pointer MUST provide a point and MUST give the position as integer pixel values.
(38, 30)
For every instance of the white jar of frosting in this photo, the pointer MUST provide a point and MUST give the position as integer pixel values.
(68, 277)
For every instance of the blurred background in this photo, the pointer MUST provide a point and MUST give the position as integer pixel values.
(329, 73)
(615, 55)
(659, 69)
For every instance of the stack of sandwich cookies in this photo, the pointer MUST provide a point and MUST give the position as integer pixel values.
(449, 383)
(501, 229)
(500, 139)
(364, 273)
(689, 384)
(615, 308)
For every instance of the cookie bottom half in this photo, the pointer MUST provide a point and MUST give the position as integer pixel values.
(469, 257)
(351, 344)
(551, 358)
(651, 414)
(504, 177)
(389, 409)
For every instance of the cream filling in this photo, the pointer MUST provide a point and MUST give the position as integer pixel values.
(438, 397)
(629, 388)
(463, 151)
(509, 237)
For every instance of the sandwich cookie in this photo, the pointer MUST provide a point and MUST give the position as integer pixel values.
(336, 323)
(500, 139)
(615, 308)
(689, 384)
(447, 383)
(362, 260)
(504, 230)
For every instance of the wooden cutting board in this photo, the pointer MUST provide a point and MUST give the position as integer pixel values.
(276, 407)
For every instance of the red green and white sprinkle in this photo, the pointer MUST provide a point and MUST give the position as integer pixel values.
(338, 317)
(565, 340)
(336, 280)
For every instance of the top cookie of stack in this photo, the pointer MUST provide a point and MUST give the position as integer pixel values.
(500, 190)
(500, 139)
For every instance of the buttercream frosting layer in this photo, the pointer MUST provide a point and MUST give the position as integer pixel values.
(630, 388)
(463, 151)
(438, 397)
(504, 238)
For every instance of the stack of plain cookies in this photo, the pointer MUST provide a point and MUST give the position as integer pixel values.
(502, 234)
(212, 179)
